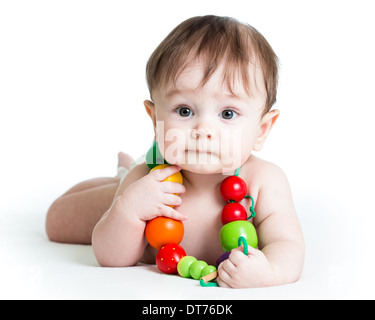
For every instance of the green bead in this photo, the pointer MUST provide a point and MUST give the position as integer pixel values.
(196, 269)
(208, 270)
(154, 157)
(183, 266)
(230, 233)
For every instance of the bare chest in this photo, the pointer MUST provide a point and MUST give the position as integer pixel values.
(202, 228)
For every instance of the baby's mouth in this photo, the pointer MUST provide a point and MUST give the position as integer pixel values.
(200, 156)
(197, 151)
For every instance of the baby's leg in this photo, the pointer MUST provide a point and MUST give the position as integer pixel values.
(73, 216)
(124, 161)
(92, 183)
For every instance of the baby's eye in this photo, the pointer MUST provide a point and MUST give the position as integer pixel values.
(184, 112)
(228, 114)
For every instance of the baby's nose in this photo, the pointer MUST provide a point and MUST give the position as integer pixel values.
(203, 134)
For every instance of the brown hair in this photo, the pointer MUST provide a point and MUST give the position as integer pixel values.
(215, 38)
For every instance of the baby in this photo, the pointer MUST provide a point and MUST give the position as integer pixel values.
(213, 82)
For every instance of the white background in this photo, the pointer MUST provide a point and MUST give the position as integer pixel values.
(72, 85)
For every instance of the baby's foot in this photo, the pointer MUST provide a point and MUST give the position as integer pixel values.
(124, 160)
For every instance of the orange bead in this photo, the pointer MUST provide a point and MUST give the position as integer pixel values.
(161, 231)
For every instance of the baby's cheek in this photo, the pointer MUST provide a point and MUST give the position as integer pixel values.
(175, 151)
(247, 144)
(171, 144)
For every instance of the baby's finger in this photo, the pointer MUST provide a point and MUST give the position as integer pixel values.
(162, 174)
(223, 278)
(251, 250)
(169, 212)
(172, 187)
(236, 257)
(229, 267)
(172, 200)
(222, 283)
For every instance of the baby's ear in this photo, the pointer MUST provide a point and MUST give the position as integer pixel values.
(266, 124)
(150, 109)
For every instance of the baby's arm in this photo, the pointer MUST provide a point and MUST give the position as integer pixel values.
(280, 257)
(279, 230)
(118, 239)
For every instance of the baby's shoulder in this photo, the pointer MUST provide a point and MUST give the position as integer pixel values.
(269, 187)
(261, 167)
(263, 173)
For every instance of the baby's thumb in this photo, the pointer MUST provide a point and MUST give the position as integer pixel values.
(162, 174)
(250, 249)
(240, 249)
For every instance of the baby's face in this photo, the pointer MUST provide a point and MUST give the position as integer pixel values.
(207, 129)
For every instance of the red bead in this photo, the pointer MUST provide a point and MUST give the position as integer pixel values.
(233, 188)
(168, 256)
(233, 212)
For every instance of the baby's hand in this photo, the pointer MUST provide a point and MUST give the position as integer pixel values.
(241, 271)
(151, 197)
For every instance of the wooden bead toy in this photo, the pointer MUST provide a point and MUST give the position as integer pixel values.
(165, 234)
